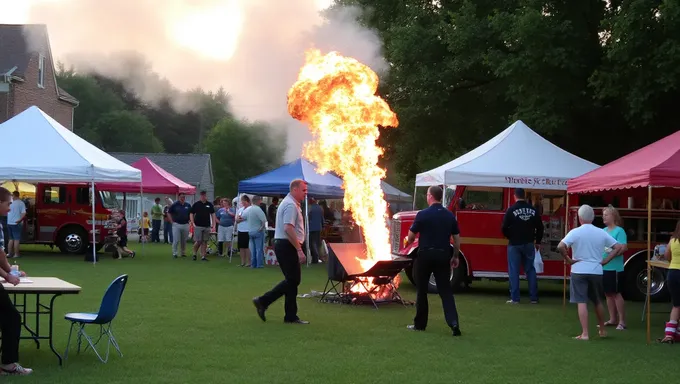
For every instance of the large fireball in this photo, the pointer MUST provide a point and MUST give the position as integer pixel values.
(335, 96)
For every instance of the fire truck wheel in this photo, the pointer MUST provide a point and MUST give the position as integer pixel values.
(636, 282)
(72, 240)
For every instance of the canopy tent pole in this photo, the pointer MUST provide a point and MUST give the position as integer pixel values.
(94, 235)
(415, 190)
(141, 215)
(307, 229)
(566, 230)
(649, 267)
(234, 231)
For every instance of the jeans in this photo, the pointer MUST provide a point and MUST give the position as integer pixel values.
(314, 245)
(167, 232)
(438, 263)
(10, 326)
(155, 231)
(287, 257)
(256, 249)
(522, 256)
(180, 233)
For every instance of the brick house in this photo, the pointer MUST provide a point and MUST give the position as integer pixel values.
(28, 76)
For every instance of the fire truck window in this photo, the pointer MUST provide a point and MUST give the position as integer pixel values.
(83, 196)
(54, 195)
(487, 199)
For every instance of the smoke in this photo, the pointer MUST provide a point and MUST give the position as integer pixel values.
(252, 48)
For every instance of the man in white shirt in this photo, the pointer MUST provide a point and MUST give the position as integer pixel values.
(243, 231)
(15, 223)
(587, 243)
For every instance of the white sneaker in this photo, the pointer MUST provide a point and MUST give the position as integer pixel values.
(15, 370)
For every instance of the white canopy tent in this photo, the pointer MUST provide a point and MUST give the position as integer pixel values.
(518, 157)
(38, 148)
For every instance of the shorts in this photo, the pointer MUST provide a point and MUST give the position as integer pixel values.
(122, 241)
(145, 231)
(612, 282)
(15, 231)
(584, 287)
(201, 234)
(673, 281)
(225, 234)
(243, 240)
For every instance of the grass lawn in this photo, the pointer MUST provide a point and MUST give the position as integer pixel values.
(182, 321)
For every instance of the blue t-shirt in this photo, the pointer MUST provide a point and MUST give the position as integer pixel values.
(315, 218)
(435, 225)
(616, 264)
(226, 220)
(180, 212)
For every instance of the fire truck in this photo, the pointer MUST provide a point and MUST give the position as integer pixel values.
(61, 215)
(483, 252)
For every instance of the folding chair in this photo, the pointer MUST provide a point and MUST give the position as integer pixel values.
(103, 318)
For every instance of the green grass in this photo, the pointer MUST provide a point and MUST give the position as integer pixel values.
(182, 321)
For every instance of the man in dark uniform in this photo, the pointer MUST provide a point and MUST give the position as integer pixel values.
(436, 225)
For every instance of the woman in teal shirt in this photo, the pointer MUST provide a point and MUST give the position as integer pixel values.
(612, 277)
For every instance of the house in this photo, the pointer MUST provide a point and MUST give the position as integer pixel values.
(192, 168)
(28, 76)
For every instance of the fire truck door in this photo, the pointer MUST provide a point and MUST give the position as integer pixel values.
(51, 210)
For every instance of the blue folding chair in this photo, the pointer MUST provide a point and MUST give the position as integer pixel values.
(107, 312)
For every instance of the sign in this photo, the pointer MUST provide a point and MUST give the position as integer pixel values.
(536, 181)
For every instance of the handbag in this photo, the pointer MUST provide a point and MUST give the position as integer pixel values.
(538, 262)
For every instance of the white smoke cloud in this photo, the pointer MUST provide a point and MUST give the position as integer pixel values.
(252, 48)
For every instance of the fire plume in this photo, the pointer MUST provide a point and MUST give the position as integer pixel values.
(335, 96)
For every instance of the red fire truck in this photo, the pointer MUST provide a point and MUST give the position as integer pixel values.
(483, 251)
(61, 215)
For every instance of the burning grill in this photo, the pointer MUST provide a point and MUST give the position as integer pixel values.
(357, 283)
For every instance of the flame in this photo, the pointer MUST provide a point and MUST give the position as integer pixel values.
(335, 96)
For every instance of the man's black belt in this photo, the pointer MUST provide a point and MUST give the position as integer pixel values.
(435, 249)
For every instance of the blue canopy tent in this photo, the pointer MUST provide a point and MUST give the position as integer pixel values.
(277, 182)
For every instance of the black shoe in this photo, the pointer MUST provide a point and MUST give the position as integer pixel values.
(203, 259)
(194, 258)
(260, 308)
(456, 330)
(413, 328)
(298, 321)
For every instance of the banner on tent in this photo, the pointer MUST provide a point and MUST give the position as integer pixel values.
(535, 181)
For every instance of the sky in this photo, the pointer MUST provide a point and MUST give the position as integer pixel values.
(252, 48)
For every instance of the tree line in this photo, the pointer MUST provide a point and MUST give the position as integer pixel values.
(114, 118)
(597, 78)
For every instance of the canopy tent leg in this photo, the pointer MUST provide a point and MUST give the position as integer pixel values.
(566, 230)
(141, 213)
(415, 190)
(649, 267)
(234, 231)
(307, 229)
(94, 235)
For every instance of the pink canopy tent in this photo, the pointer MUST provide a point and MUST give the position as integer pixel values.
(155, 180)
(654, 169)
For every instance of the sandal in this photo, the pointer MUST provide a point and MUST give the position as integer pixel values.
(621, 327)
(610, 323)
(666, 340)
(581, 337)
(602, 333)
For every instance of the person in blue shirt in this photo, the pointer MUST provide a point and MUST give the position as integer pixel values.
(315, 227)
(179, 216)
(612, 272)
(436, 225)
(225, 230)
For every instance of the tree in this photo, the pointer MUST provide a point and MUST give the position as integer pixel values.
(126, 131)
(241, 149)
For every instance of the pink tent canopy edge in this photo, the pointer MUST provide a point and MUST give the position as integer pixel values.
(656, 165)
(154, 180)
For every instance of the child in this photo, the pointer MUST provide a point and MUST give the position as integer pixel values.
(121, 247)
(672, 255)
(10, 320)
(145, 227)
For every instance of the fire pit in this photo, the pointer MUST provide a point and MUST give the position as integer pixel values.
(352, 279)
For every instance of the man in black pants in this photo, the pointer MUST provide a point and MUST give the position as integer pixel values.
(289, 236)
(436, 225)
(10, 320)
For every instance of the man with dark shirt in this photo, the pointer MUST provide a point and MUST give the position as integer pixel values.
(523, 227)
(203, 218)
(315, 227)
(436, 225)
(179, 217)
(271, 218)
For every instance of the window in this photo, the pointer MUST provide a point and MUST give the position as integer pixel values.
(54, 195)
(41, 71)
(484, 199)
(83, 195)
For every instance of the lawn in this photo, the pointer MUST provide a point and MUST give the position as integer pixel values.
(182, 321)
